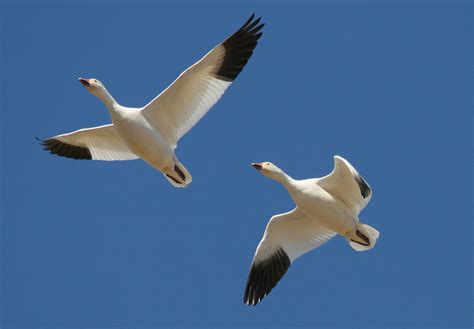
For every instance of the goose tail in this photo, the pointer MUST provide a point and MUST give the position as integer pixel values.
(366, 237)
(179, 176)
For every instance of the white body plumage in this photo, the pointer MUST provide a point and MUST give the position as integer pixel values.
(152, 132)
(325, 207)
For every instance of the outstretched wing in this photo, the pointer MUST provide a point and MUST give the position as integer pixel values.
(346, 183)
(287, 237)
(98, 143)
(180, 106)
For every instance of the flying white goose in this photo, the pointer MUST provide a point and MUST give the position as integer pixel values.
(324, 207)
(152, 132)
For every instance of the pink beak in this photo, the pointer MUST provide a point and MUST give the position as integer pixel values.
(84, 82)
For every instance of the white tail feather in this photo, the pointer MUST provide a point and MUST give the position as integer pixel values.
(368, 231)
(177, 178)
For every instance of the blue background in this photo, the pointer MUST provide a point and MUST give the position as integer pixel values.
(112, 245)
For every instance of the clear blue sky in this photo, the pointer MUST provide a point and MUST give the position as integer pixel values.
(112, 245)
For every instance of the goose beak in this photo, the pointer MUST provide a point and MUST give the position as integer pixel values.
(257, 166)
(84, 82)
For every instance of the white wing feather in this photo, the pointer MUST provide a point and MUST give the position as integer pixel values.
(98, 143)
(346, 183)
(295, 233)
(180, 106)
(287, 237)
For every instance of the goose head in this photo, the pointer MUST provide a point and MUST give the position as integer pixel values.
(268, 169)
(94, 86)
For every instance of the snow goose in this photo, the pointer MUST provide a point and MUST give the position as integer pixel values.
(324, 207)
(152, 132)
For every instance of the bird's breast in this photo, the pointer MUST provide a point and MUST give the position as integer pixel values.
(329, 211)
(145, 141)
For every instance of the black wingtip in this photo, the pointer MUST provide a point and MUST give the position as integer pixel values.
(55, 146)
(264, 276)
(239, 48)
(365, 190)
(250, 19)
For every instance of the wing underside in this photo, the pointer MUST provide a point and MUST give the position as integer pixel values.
(98, 143)
(347, 184)
(287, 237)
(180, 106)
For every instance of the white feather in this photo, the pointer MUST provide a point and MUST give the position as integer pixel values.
(103, 142)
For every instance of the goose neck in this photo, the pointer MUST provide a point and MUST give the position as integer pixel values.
(107, 99)
(285, 180)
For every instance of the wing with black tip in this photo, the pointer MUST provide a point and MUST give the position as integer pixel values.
(180, 106)
(287, 237)
(347, 184)
(98, 143)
